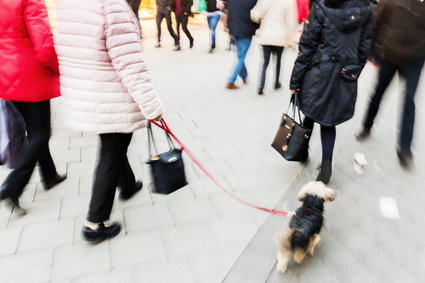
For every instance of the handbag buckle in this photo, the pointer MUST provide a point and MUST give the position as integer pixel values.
(285, 147)
(154, 158)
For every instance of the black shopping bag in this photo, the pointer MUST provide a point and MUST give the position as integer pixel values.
(292, 138)
(167, 168)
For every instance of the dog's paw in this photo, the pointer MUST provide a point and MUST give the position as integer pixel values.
(281, 267)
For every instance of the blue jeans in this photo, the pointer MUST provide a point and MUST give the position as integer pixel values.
(242, 46)
(213, 20)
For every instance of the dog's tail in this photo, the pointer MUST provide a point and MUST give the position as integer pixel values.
(299, 240)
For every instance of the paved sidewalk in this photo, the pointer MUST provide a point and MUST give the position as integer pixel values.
(199, 234)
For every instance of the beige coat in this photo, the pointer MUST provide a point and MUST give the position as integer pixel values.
(105, 84)
(278, 22)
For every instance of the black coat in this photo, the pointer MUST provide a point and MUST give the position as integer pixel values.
(333, 38)
(211, 6)
(239, 20)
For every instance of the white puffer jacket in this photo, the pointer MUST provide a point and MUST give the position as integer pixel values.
(105, 85)
(278, 22)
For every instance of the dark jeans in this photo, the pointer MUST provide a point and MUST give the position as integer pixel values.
(167, 15)
(182, 20)
(411, 73)
(267, 52)
(113, 171)
(327, 135)
(37, 121)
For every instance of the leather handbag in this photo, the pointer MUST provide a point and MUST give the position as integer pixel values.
(292, 137)
(167, 169)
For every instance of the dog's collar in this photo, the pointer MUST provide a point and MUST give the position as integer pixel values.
(309, 209)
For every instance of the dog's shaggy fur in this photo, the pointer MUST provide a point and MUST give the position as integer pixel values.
(302, 235)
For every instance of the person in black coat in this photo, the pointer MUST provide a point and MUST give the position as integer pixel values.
(332, 52)
(135, 4)
(182, 10)
(164, 11)
(241, 30)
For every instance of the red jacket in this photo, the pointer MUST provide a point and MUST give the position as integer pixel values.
(303, 7)
(28, 61)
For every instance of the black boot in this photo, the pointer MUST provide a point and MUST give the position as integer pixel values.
(12, 199)
(405, 158)
(325, 172)
(277, 86)
(126, 196)
(55, 181)
(363, 134)
(101, 233)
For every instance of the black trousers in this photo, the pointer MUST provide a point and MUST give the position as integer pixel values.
(167, 15)
(327, 135)
(268, 50)
(113, 170)
(37, 121)
(135, 4)
(182, 20)
(411, 73)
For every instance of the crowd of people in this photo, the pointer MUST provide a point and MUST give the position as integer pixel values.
(106, 88)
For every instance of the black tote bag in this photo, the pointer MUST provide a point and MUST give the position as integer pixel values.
(292, 138)
(167, 169)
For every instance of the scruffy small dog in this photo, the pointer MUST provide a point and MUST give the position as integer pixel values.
(302, 235)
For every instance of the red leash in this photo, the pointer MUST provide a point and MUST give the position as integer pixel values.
(196, 161)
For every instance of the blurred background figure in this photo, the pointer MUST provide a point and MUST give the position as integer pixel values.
(278, 22)
(164, 11)
(183, 9)
(241, 30)
(223, 6)
(213, 17)
(135, 4)
(107, 90)
(29, 78)
(329, 44)
(400, 44)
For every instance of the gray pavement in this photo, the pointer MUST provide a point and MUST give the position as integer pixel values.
(199, 234)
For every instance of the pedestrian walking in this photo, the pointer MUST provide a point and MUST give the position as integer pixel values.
(223, 6)
(278, 23)
(241, 29)
(30, 79)
(183, 9)
(213, 16)
(332, 52)
(107, 90)
(163, 8)
(399, 43)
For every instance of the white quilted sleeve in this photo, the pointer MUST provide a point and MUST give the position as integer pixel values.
(125, 51)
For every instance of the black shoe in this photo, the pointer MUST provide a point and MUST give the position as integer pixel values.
(157, 45)
(211, 50)
(11, 200)
(363, 134)
(277, 86)
(127, 196)
(55, 181)
(191, 44)
(177, 48)
(325, 172)
(405, 158)
(260, 91)
(101, 233)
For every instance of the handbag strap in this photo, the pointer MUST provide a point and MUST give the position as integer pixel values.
(294, 102)
(151, 140)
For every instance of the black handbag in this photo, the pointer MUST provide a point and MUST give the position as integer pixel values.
(167, 168)
(292, 137)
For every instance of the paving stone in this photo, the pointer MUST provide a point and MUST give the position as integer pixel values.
(38, 211)
(71, 261)
(46, 234)
(66, 155)
(137, 247)
(74, 206)
(86, 141)
(116, 275)
(9, 239)
(147, 217)
(81, 169)
(183, 211)
(69, 187)
(163, 272)
(26, 267)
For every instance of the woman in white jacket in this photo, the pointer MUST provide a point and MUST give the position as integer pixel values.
(106, 89)
(278, 22)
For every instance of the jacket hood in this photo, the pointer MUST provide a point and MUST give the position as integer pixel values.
(349, 16)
